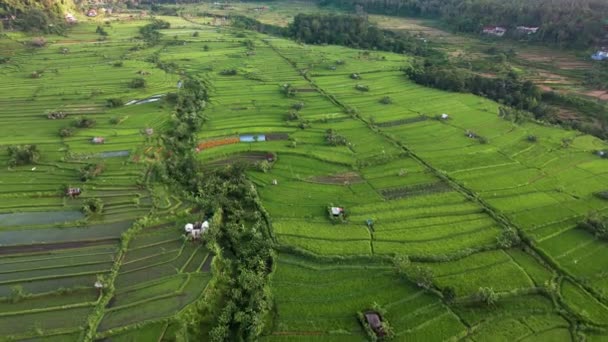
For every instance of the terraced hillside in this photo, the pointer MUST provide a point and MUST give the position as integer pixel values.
(433, 218)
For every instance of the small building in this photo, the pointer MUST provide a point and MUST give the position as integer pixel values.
(444, 116)
(73, 192)
(92, 12)
(70, 18)
(98, 140)
(337, 211)
(375, 322)
(600, 55)
(149, 131)
(527, 29)
(270, 157)
(275, 182)
(497, 31)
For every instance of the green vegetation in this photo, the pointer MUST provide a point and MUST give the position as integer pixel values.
(480, 224)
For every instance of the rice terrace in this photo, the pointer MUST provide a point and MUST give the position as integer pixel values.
(331, 170)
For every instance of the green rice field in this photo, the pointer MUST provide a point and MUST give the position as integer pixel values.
(413, 188)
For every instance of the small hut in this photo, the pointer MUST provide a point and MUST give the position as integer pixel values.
(336, 211)
(98, 140)
(149, 131)
(92, 12)
(275, 182)
(444, 116)
(73, 192)
(375, 322)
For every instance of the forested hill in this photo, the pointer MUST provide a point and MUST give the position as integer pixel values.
(35, 15)
(561, 22)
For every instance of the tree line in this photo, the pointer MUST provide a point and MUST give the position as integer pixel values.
(562, 22)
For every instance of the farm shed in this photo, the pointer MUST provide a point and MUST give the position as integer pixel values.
(92, 12)
(600, 55)
(498, 31)
(527, 29)
(98, 140)
(73, 192)
(375, 322)
(336, 211)
(444, 116)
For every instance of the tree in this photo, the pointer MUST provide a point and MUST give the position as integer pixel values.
(92, 206)
(17, 293)
(448, 293)
(66, 132)
(508, 238)
(486, 295)
(137, 82)
(22, 155)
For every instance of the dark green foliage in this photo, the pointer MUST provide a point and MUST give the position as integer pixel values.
(508, 238)
(352, 31)
(66, 132)
(293, 115)
(562, 22)
(90, 171)
(22, 154)
(92, 206)
(511, 91)
(195, 34)
(448, 293)
(84, 122)
(361, 87)
(602, 194)
(386, 100)
(514, 115)
(101, 31)
(532, 138)
(40, 20)
(114, 102)
(150, 33)
(334, 139)
(288, 90)
(597, 225)
(228, 72)
(137, 82)
(114, 120)
(298, 106)
(486, 296)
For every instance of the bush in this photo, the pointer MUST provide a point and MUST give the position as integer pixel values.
(263, 166)
(84, 122)
(532, 138)
(114, 120)
(137, 82)
(508, 238)
(118, 64)
(22, 155)
(114, 102)
(288, 90)
(334, 139)
(597, 225)
(66, 132)
(486, 295)
(91, 171)
(355, 76)
(195, 34)
(228, 72)
(386, 100)
(298, 106)
(361, 87)
(292, 115)
(92, 206)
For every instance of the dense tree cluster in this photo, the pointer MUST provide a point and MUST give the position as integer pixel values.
(597, 225)
(150, 33)
(22, 154)
(352, 31)
(563, 22)
(510, 90)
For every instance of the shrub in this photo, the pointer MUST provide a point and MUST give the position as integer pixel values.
(532, 138)
(66, 132)
(361, 87)
(292, 115)
(508, 238)
(114, 120)
(22, 154)
(84, 122)
(114, 102)
(118, 64)
(448, 293)
(486, 295)
(263, 166)
(195, 34)
(334, 139)
(137, 82)
(17, 293)
(602, 194)
(91, 171)
(288, 90)
(355, 76)
(228, 72)
(596, 224)
(298, 106)
(92, 206)
(386, 100)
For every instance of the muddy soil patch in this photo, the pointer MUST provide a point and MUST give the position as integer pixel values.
(338, 179)
(415, 190)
